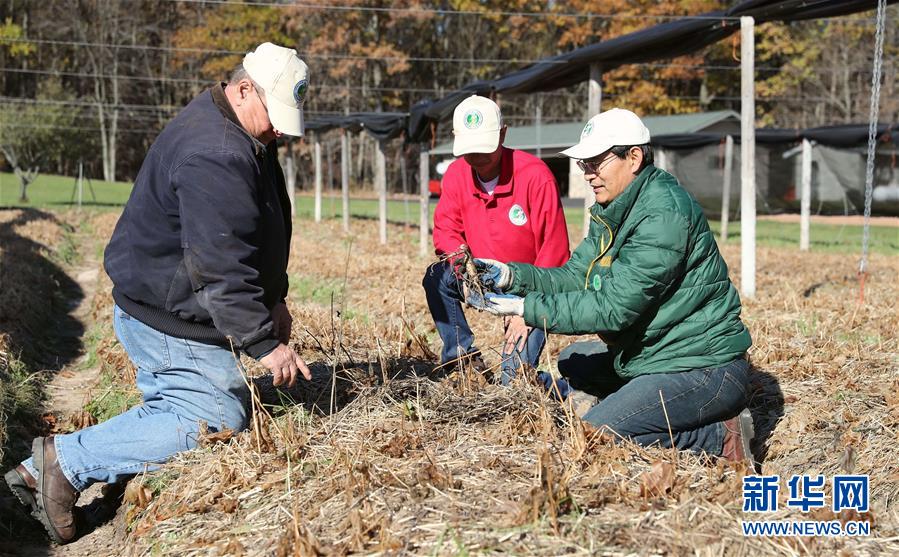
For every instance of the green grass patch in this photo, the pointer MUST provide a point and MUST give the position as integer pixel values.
(822, 237)
(313, 289)
(57, 191)
(113, 397)
(20, 397)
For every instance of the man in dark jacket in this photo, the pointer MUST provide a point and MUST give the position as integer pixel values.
(649, 280)
(198, 263)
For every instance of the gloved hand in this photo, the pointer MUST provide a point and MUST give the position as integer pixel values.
(497, 304)
(494, 275)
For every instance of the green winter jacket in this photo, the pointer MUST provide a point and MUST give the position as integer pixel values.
(648, 278)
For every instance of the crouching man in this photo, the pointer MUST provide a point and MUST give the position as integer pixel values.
(198, 262)
(649, 280)
(504, 204)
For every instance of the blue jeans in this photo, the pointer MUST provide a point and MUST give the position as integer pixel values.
(444, 294)
(183, 383)
(697, 402)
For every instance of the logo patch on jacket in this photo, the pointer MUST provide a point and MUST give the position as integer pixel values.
(517, 215)
(606, 261)
(597, 282)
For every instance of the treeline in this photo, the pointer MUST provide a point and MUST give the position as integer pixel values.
(95, 80)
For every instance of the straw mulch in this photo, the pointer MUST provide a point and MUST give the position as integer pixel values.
(382, 455)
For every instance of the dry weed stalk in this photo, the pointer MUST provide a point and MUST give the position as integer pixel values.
(409, 465)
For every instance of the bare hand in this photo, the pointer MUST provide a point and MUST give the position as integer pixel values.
(516, 334)
(284, 364)
(282, 322)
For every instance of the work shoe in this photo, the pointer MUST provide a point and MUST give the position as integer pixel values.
(55, 495)
(737, 436)
(24, 487)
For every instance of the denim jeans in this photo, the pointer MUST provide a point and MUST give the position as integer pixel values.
(697, 402)
(183, 383)
(444, 296)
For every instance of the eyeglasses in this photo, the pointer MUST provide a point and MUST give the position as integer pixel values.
(593, 166)
(265, 106)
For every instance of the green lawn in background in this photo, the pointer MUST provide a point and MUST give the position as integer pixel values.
(56, 192)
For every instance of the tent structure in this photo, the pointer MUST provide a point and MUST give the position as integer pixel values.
(666, 40)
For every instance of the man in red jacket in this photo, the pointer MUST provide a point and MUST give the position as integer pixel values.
(504, 204)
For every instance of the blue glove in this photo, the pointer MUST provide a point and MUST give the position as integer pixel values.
(494, 274)
(497, 304)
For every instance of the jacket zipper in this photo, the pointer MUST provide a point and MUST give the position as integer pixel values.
(603, 248)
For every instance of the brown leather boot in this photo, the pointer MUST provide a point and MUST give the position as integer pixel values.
(738, 434)
(55, 495)
(23, 485)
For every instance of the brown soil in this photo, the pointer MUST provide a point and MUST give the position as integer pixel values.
(857, 220)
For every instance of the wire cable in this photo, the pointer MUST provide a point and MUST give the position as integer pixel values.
(872, 143)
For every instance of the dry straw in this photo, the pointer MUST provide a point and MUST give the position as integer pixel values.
(382, 455)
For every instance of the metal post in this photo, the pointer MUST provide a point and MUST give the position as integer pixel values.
(80, 182)
(728, 178)
(662, 159)
(381, 181)
(318, 179)
(594, 103)
(424, 194)
(291, 179)
(747, 156)
(805, 195)
(345, 178)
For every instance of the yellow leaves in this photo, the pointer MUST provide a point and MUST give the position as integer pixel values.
(9, 32)
(233, 27)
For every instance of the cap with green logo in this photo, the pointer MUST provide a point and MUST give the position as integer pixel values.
(476, 125)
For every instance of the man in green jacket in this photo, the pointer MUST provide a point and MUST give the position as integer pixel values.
(649, 280)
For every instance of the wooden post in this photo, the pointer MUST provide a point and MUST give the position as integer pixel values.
(381, 181)
(424, 195)
(728, 178)
(747, 157)
(329, 152)
(291, 180)
(318, 179)
(345, 178)
(805, 195)
(594, 104)
(538, 117)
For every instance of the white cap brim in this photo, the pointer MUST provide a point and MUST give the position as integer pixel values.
(483, 142)
(287, 119)
(584, 150)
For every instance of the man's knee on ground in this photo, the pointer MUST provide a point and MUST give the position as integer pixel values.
(234, 416)
(434, 276)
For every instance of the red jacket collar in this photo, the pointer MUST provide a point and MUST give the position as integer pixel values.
(506, 179)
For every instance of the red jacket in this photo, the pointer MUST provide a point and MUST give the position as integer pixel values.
(522, 221)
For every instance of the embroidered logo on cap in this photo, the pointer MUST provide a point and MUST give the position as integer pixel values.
(517, 215)
(299, 91)
(588, 129)
(473, 119)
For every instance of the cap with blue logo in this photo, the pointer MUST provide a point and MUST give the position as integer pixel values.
(284, 78)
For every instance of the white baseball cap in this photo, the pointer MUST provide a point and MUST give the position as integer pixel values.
(606, 130)
(283, 77)
(476, 125)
